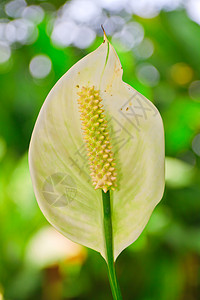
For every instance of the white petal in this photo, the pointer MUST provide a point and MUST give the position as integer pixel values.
(59, 165)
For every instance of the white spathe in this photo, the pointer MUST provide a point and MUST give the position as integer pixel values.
(59, 165)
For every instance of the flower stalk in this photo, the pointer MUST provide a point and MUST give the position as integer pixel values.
(107, 221)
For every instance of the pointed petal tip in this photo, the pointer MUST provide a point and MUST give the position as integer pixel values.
(104, 34)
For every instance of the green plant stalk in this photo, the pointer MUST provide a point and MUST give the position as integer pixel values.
(109, 246)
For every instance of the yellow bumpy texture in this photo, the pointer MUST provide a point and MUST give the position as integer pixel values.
(96, 136)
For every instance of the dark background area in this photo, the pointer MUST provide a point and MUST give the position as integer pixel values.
(158, 43)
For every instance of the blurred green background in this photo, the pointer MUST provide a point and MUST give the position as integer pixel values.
(158, 43)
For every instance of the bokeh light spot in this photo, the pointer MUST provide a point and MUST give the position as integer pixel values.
(2, 30)
(193, 10)
(194, 90)
(63, 33)
(181, 73)
(33, 13)
(178, 173)
(196, 144)
(145, 49)
(130, 36)
(113, 24)
(10, 32)
(22, 31)
(150, 9)
(84, 37)
(144, 8)
(15, 8)
(113, 5)
(40, 66)
(5, 52)
(82, 11)
(148, 74)
(48, 247)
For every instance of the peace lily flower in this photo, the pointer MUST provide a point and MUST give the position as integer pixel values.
(97, 136)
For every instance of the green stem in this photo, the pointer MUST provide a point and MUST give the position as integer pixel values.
(109, 246)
